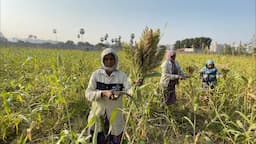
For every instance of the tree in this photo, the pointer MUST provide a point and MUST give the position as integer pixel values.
(177, 44)
(208, 42)
(132, 38)
(81, 44)
(82, 32)
(69, 42)
(241, 49)
(101, 39)
(106, 37)
(116, 40)
(54, 31)
(119, 41)
(30, 36)
(119, 38)
(198, 42)
(227, 49)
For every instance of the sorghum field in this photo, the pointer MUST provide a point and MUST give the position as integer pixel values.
(42, 100)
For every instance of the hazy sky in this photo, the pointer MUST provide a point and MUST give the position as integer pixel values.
(225, 21)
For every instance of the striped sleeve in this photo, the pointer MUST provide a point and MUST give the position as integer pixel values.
(91, 92)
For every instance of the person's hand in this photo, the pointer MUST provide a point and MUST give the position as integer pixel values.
(109, 94)
(116, 94)
(181, 77)
(138, 82)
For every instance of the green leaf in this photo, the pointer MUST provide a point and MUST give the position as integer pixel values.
(208, 140)
(252, 127)
(191, 123)
(239, 123)
(112, 118)
(245, 79)
(91, 122)
(243, 116)
(154, 74)
(24, 118)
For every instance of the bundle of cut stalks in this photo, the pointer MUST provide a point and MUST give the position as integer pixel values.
(144, 55)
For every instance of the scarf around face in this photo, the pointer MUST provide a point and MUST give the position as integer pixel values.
(106, 52)
(169, 54)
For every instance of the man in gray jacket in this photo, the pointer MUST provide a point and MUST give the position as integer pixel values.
(101, 91)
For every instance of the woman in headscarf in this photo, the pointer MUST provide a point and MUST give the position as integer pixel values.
(171, 74)
(100, 91)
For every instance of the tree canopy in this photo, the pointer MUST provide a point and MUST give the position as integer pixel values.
(198, 42)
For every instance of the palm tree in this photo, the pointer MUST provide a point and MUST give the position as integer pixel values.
(54, 31)
(119, 38)
(82, 32)
(102, 39)
(106, 37)
(30, 36)
(132, 37)
(116, 40)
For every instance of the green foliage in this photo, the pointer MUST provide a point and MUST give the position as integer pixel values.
(42, 100)
(145, 55)
(199, 42)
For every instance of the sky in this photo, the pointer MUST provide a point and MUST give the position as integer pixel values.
(225, 21)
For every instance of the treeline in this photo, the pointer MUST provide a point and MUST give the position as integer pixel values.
(198, 42)
(69, 44)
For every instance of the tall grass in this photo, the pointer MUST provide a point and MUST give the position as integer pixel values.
(42, 100)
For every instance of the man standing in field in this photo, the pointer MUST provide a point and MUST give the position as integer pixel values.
(102, 91)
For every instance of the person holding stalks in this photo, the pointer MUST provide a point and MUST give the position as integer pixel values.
(106, 87)
(170, 76)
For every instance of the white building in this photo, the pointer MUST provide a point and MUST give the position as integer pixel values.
(215, 47)
(2, 36)
(252, 44)
(189, 50)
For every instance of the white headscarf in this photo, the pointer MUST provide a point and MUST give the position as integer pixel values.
(106, 52)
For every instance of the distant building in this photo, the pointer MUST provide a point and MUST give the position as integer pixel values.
(190, 50)
(187, 50)
(2, 38)
(251, 46)
(1, 35)
(215, 47)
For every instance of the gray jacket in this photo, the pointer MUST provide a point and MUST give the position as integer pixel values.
(167, 75)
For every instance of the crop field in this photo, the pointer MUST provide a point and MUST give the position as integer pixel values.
(42, 100)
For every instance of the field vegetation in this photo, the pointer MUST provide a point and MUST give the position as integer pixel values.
(42, 100)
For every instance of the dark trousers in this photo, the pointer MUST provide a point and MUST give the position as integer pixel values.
(103, 137)
(169, 93)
